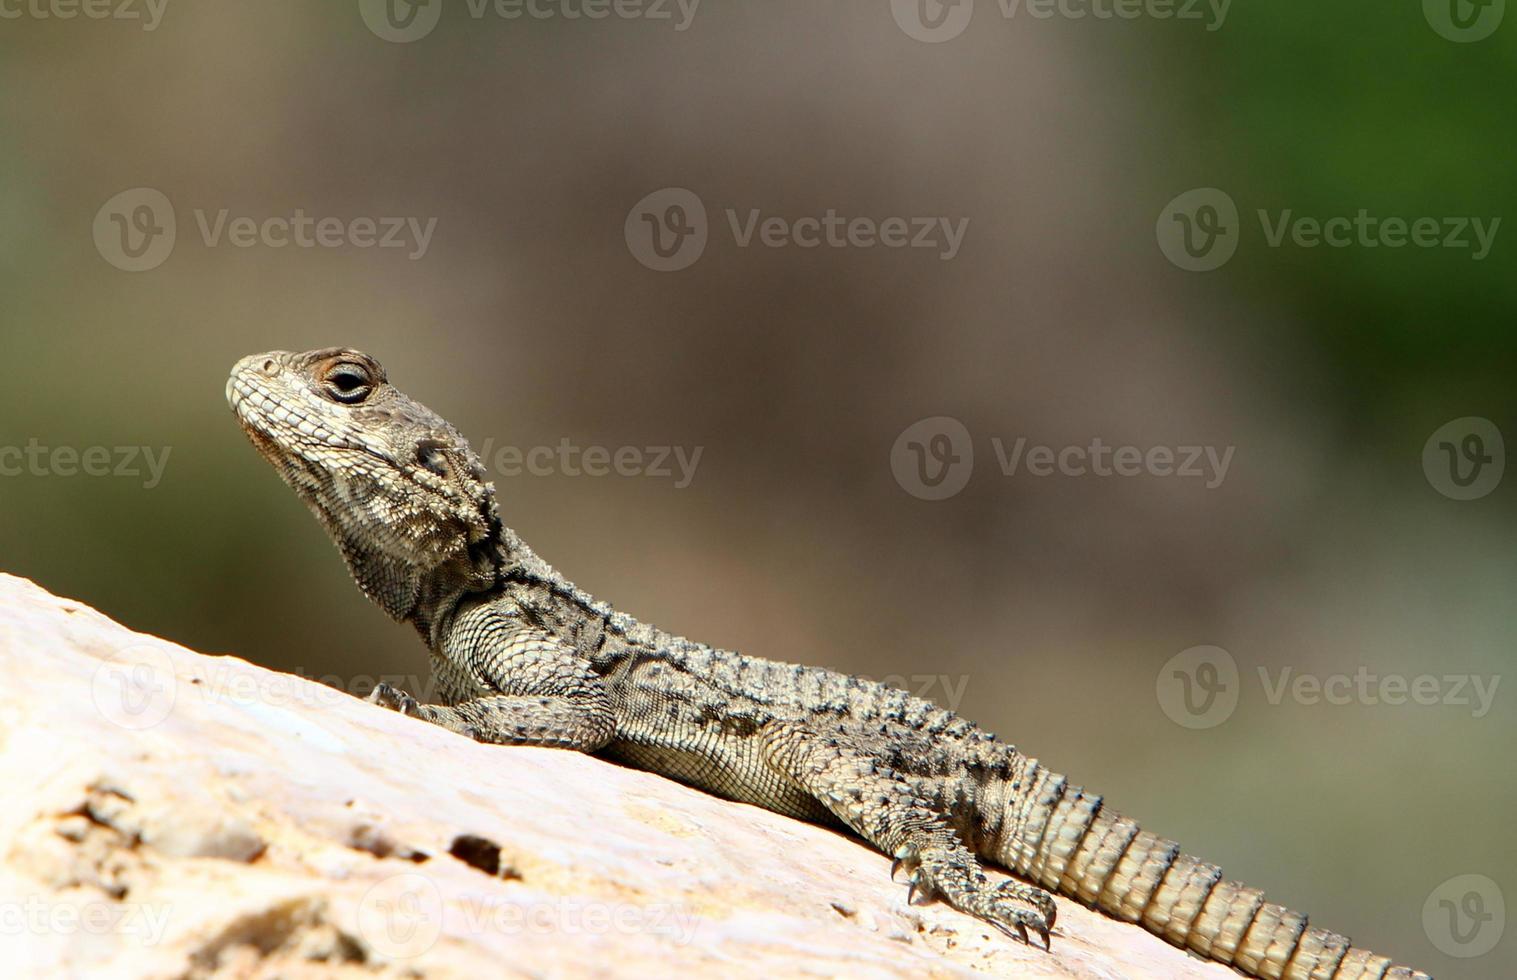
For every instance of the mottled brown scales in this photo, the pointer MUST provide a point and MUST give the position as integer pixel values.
(523, 657)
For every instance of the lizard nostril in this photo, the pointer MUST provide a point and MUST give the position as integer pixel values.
(269, 366)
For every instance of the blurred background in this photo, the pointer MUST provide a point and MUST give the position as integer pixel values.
(545, 151)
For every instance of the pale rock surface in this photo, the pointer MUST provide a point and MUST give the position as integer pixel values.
(170, 814)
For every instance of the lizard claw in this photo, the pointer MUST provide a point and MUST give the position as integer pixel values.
(388, 696)
(1021, 922)
(1020, 907)
(919, 883)
(904, 858)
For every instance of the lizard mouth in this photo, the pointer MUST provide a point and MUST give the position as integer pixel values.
(250, 406)
(240, 396)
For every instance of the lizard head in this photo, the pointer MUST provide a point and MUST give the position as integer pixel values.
(399, 489)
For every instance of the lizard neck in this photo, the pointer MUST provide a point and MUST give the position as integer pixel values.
(501, 564)
(422, 575)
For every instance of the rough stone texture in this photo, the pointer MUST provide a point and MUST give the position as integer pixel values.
(172, 814)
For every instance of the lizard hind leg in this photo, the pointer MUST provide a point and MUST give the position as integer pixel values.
(881, 806)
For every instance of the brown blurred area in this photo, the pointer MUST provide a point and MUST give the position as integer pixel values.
(1056, 600)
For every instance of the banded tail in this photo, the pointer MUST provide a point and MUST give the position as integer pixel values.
(1059, 837)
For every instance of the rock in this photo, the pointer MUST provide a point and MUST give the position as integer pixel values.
(170, 814)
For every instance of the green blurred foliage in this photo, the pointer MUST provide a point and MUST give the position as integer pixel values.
(1326, 108)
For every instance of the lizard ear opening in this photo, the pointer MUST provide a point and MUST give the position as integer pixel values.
(432, 456)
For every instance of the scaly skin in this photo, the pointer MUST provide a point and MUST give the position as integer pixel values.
(523, 657)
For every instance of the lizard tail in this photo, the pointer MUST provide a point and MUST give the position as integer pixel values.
(1058, 836)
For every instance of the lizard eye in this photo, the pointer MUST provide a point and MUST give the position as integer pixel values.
(348, 383)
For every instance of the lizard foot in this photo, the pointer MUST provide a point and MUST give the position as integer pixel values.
(1014, 908)
(388, 696)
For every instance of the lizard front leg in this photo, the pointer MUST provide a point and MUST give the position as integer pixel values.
(881, 806)
(512, 684)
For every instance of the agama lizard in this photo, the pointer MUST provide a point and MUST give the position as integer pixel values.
(521, 656)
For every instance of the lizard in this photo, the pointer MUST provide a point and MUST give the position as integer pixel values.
(521, 656)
